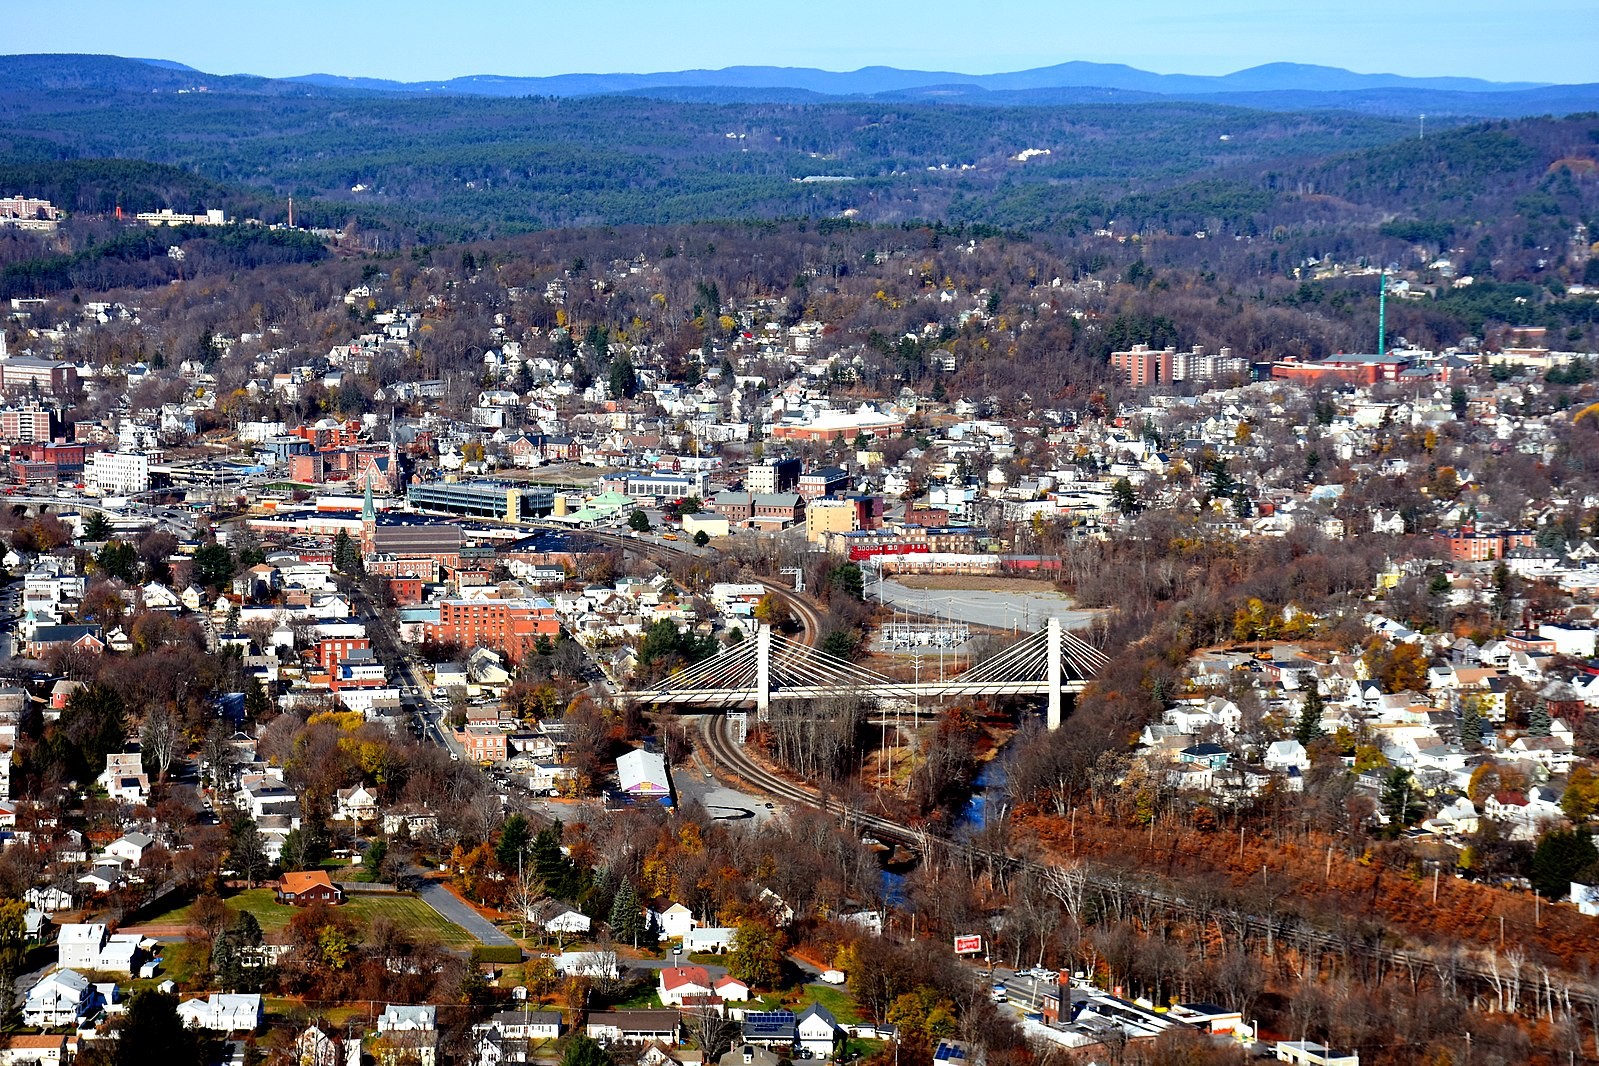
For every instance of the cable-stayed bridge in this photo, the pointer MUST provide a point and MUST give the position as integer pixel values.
(1050, 663)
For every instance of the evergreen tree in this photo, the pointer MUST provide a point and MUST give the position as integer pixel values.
(514, 840)
(1539, 723)
(582, 1051)
(152, 1032)
(1470, 726)
(1308, 729)
(96, 527)
(1401, 800)
(256, 701)
(627, 917)
(1561, 857)
(347, 554)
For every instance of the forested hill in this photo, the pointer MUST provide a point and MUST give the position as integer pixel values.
(441, 168)
(1534, 181)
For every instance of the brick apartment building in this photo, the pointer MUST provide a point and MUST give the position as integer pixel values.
(509, 626)
(1469, 544)
(330, 651)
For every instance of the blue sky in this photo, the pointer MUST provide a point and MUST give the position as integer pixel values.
(411, 40)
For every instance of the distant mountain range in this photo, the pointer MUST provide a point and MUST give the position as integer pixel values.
(878, 81)
(1274, 86)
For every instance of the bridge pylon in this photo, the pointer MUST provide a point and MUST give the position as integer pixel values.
(763, 673)
(1055, 654)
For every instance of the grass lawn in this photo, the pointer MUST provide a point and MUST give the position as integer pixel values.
(411, 915)
(836, 999)
(646, 998)
(408, 912)
(183, 963)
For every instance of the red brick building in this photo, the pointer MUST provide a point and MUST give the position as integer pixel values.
(407, 591)
(509, 626)
(1468, 544)
(330, 651)
(484, 743)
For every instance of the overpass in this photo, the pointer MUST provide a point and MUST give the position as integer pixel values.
(1050, 663)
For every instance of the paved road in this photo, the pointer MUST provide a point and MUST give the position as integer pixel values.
(719, 800)
(440, 899)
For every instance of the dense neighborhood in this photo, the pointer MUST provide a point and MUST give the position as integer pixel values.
(320, 734)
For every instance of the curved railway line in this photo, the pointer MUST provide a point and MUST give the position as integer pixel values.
(1118, 890)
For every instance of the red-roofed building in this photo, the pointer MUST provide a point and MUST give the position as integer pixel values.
(680, 982)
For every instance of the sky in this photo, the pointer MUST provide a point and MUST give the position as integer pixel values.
(421, 40)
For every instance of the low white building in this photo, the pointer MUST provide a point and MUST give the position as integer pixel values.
(587, 964)
(224, 1012)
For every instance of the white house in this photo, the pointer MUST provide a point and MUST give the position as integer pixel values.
(559, 918)
(1285, 755)
(357, 804)
(224, 1012)
(78, 945)
(31, 1050)
(717, 938)
(587, 964)
(731, 989)
(1586, 897)
(50, 900)
(130, 848)
(60, 998)
(409, 1035)
(674, 920)
(1310, 1053)
(401, 1018)
(677, 983)
(819, 1032)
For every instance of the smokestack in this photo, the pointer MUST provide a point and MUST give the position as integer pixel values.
(1382, 312)
(291, 212)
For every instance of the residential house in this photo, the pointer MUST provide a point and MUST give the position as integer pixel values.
(358, 804)
(124, 778)
(634, 1026)
(304, 887)
(679, 982)
(25, 1049)
(1285, 756)
(314, 1047)
(556, 917)
(224, 1012)
(514, 1036)
(731, 990)
(819, 1032)
(50, 900)
(718, 939)
(408, 1035)
(104, 879)
(600, 964)
(749, 1055)
(130, 848)
(777, 1029)
(674, 920)
(60, 998)
(1212, 756)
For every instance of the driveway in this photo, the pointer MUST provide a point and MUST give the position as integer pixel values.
(440, 899)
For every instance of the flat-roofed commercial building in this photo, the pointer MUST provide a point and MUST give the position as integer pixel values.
(495, 500)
